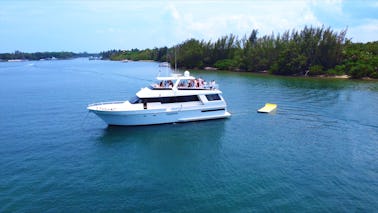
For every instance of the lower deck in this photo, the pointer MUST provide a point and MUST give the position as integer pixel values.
(170, 115)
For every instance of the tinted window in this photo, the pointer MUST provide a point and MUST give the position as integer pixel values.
(213, 97)
(166, 100)
(135, 100)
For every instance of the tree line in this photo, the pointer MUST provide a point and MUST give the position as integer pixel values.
(42, 55)
(310, 51)
(156, 54)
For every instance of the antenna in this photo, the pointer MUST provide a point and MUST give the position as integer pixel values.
(175, 59)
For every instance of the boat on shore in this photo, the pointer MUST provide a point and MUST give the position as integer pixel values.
(171, 99)
(164, 64)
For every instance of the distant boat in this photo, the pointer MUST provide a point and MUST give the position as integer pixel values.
(210, 68)
(125, 60)
(16, 60)
(171, 99)
(94, 58)
(48, 59)
(164, 64)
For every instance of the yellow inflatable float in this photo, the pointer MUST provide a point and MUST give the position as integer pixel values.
(268, 108)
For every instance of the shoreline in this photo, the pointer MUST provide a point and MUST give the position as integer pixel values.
(342, 77)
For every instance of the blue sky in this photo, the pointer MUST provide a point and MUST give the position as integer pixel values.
(94, 26)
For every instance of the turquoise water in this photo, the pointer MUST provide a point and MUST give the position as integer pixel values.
(317, 153)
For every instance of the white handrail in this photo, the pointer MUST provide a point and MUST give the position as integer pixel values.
(103, 103)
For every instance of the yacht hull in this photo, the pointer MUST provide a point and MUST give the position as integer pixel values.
(135, 118)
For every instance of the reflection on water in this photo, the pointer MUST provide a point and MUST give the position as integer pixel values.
(178, 132)
(310, 83)
(169, 141)
(169, 153)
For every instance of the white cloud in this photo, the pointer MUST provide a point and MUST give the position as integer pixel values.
(205, 21)
(332, 6)
(145, 24)
(365, 32)
(174, 12)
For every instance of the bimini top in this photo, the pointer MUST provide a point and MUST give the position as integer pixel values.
(178, 85)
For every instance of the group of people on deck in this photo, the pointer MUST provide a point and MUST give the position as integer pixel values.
(166, 84)
(192, 83)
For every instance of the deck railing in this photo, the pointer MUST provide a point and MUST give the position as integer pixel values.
(204, 87)
(103, 103)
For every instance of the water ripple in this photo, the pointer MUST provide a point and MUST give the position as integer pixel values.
(317, 152)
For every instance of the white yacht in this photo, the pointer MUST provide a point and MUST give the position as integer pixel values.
(171, 99)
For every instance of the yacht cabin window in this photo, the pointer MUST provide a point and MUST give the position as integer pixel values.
(165, 100)
(213, 97)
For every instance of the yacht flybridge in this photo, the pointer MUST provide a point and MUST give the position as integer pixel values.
(171, 99)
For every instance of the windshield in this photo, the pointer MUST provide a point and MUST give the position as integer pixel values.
(135, 100)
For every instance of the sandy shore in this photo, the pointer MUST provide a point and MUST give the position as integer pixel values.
(334, 76)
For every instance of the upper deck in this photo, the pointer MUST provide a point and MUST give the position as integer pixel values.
(179, 82)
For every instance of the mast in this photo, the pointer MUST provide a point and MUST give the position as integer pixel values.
(175, 59)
